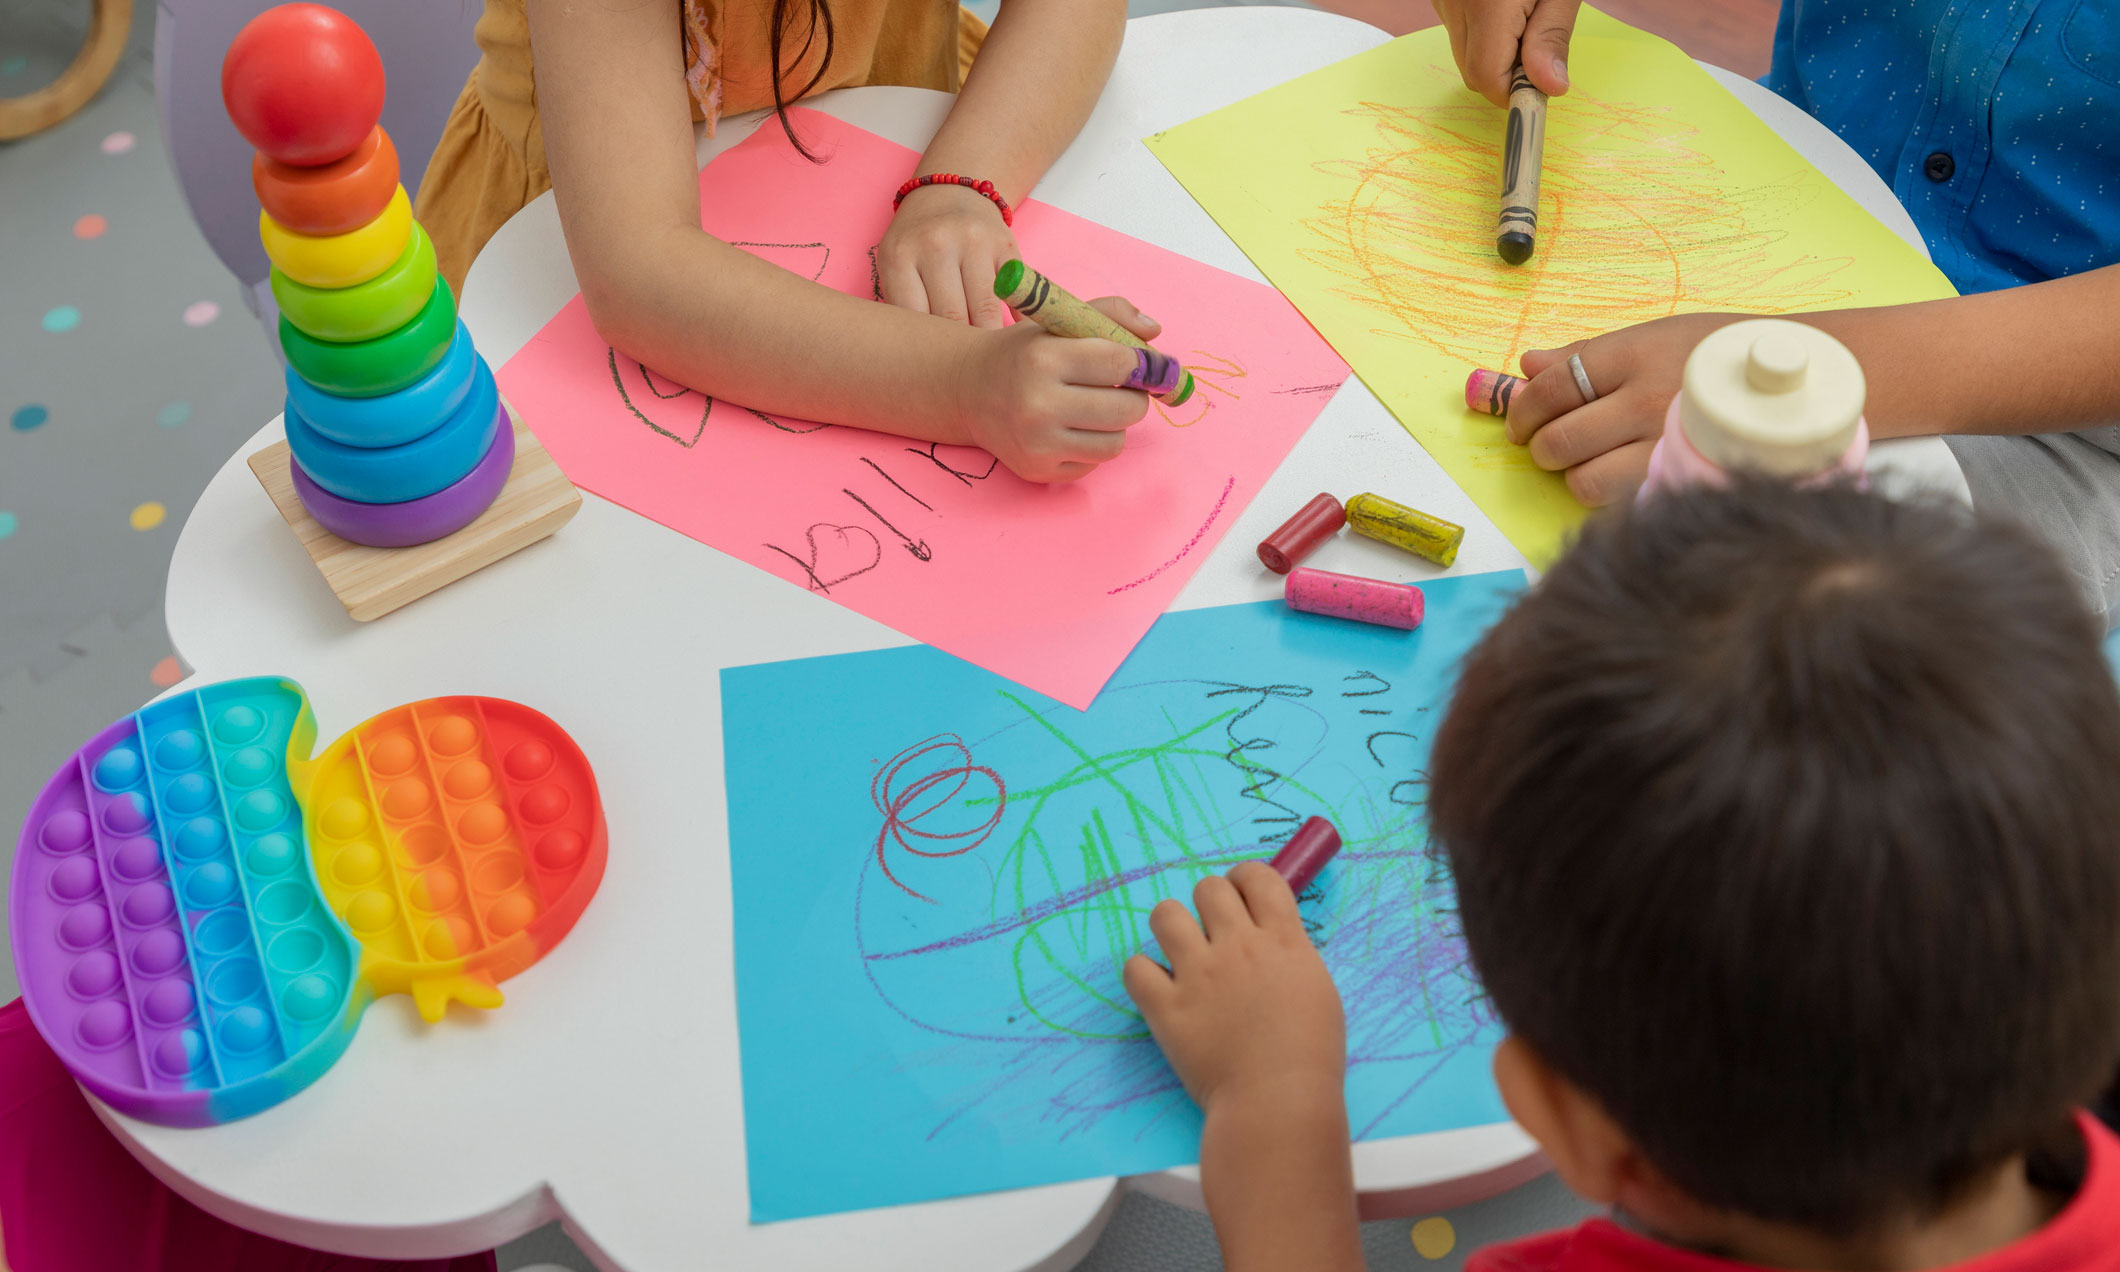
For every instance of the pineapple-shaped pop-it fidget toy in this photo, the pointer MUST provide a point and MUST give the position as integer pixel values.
(394, 425)
(200, 912)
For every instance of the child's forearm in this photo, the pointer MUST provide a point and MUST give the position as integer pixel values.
(1035, 81)
(1279, 1182)
(2043, 358)
(717, 318)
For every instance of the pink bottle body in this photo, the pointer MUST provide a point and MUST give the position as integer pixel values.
(1675, 463)
(1764, 395)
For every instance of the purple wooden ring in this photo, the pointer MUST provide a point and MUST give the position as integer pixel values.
(400, 525)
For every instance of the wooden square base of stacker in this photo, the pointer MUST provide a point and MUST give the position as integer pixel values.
(371, 582)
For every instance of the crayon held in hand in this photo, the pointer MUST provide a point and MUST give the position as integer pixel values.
(1034, 296)
(1375, 517)
(1490, 391)
(1306, 853)
(1523, 147)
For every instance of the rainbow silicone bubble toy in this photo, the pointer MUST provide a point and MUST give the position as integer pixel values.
(201, 913)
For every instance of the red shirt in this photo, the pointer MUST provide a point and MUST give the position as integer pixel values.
(2084, 1237)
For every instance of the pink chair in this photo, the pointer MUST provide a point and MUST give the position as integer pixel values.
(427, 53)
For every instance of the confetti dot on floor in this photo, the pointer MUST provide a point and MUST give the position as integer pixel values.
(1434, 1238)
(174, 415)
(118, 143)
(200, 312)
(148, 515)
(7, 524)
(63, 318)
(166, 673)
(14, 65)
(90, 226)
(28, 417)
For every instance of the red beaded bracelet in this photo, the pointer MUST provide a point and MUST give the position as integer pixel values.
(950, 178)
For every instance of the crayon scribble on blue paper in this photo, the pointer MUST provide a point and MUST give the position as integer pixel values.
(938, 876)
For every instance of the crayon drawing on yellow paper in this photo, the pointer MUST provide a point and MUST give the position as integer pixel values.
(1367, 192)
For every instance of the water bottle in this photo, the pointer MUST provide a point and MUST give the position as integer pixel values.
(1765, 395)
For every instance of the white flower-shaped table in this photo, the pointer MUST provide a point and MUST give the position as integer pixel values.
(606, 1091)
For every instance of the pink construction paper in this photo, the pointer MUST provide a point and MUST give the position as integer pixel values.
(1050, 586)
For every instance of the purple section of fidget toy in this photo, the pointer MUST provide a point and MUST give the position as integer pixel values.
(400, 525)
(34, 915)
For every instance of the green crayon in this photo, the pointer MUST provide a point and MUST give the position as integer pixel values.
(1034, 296)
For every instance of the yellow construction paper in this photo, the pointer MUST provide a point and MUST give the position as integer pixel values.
(1367, 192)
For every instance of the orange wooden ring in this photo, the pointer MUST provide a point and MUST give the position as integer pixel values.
(330, 198)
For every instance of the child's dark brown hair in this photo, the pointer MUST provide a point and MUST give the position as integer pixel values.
(820, 19)
(1786, 824)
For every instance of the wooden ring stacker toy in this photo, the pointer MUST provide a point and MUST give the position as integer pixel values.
(340, 260)
(364, 311)
(394, 418)
(385, 364)
(330, 198)
(108, 25)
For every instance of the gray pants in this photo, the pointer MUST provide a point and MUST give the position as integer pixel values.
(2066, 486)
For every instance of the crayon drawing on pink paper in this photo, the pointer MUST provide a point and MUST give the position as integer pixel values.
(1050, 586)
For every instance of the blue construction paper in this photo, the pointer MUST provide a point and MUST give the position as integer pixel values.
(938, 875)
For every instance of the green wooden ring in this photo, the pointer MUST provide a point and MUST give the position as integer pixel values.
(344, 315)
(385, 364)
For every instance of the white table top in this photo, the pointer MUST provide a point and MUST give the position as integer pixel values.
(606, 1091)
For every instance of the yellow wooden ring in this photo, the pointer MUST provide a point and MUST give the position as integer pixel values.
(108, 24)
(340, 260)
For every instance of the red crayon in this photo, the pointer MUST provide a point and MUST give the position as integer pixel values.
(1306, 853)
(1313, 524)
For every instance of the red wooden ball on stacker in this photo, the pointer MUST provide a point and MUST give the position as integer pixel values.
(303, 84)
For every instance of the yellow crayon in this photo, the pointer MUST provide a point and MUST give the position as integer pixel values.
(1379, 518)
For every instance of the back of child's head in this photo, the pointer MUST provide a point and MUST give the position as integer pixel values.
(1786, 825)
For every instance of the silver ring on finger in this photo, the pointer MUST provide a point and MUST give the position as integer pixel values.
(1582, 378)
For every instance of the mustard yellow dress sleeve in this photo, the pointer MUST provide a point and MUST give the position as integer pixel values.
(491, 158)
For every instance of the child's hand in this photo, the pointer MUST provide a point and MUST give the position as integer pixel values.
(1604, 446)
(1246, 1008)
(941, 253)
(1044, 405)
(1487, 37)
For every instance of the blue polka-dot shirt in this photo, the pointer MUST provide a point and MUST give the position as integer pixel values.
(1996, 122)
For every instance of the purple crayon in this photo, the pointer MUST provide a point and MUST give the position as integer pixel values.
(1306, 853)
(1398, 605)
(1490, 391)
(1157, 373)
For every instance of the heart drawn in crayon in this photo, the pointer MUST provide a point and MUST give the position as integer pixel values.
(837, 553)
(657, 402)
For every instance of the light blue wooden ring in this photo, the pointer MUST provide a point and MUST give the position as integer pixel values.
(394, 418)
(398, 474)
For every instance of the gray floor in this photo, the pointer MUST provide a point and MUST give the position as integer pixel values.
(139, 400)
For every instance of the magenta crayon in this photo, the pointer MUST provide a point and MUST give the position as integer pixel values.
(1348, 596)
(1299, 536)
(1306, 853)
(1490, 391)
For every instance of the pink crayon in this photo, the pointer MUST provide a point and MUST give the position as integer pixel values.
(1347, 596)
(1306, 853)
(1490, 391)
